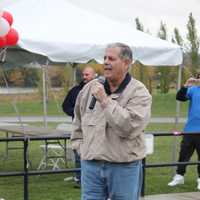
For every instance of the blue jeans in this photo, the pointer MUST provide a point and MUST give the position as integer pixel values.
(101, 180)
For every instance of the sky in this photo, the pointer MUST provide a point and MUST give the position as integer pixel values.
(174, 13)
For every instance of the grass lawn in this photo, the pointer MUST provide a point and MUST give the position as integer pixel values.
(52, 187)
(163, 105)
(32, 108)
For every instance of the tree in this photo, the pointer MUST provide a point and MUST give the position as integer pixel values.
(30, 76)
(193, 44)
(142, 70)
(139, 25)
(162, 33)
(164, 72)
(177, 37)
(143, 73)
(16, 78)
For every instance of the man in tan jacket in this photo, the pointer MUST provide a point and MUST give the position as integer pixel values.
(110, 137)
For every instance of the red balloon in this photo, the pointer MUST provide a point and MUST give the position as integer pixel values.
(12, 37)
(6, 15)
(2, 42)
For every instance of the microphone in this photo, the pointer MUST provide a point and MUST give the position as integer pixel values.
(101, 79)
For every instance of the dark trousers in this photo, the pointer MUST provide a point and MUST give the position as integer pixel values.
(189, 144)
(77, 165)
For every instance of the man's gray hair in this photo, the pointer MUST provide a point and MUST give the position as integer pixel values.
(125, 50)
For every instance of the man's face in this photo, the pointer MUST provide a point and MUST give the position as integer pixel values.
(114, 67)
(88, 75)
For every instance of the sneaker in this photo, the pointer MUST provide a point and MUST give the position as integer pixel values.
(177, 180)
(198, 184)
(76, 179)
(69, 178)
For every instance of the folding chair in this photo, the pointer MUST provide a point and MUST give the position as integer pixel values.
(55, 153)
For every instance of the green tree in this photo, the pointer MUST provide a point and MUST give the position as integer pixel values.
(143, 73)
(139, 25)
(164, 72)
(177, 37)
(142, 69)
(162, 33)
(30, 76)
(193, 39)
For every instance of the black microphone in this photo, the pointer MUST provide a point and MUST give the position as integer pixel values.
(101, 79)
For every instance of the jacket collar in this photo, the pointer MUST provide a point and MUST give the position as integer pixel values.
(81, 84)
(121, 87)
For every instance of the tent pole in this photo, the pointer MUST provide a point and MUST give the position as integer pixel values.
(177, 117)
(178, 102)
(44, 81)
(3, 54)
(74, 65)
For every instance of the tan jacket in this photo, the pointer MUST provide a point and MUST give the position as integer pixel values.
(115, 133)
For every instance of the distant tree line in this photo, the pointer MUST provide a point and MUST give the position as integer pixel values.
(29, 77)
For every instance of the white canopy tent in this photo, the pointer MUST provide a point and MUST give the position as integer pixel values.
(66, 33)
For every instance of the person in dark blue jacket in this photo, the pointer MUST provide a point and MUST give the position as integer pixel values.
(190, 91)
(68, 105)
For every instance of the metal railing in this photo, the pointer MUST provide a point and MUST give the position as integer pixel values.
(172, 164)
(26, 172)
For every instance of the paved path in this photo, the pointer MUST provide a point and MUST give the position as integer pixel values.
(68, 119)
(36, 119)
(175, 196)
(167, 120)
